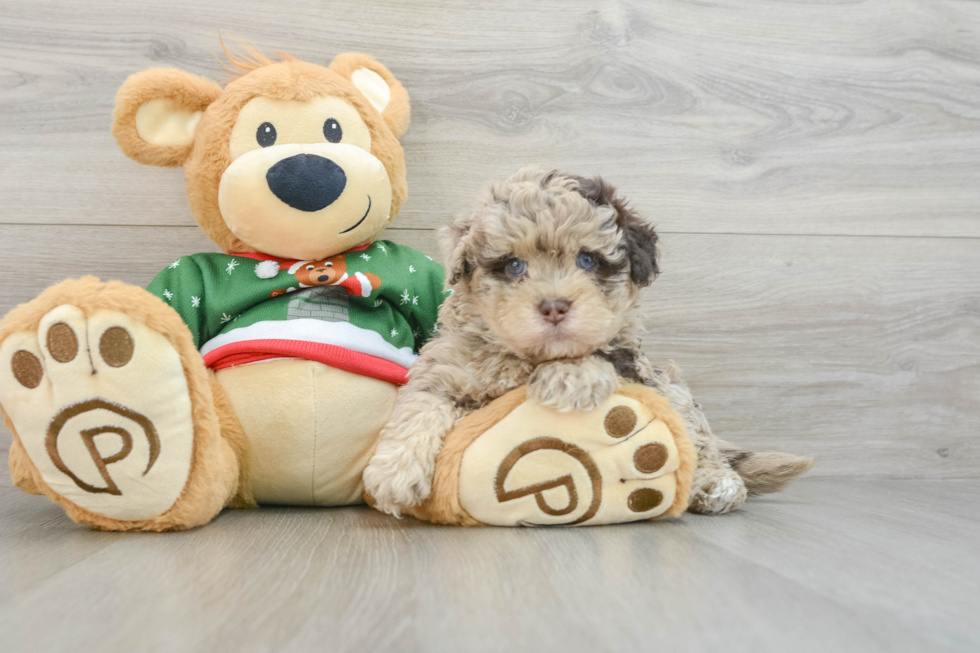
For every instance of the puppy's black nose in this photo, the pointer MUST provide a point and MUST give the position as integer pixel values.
(306, 181)
(554, 310)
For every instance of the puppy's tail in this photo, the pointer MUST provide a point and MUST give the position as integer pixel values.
(767, 471)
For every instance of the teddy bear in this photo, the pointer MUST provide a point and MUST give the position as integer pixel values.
(264, 374)
(259, 375)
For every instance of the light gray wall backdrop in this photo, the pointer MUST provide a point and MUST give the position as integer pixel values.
(813, 166)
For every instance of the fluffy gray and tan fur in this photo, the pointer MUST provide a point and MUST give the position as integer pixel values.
(546, 274)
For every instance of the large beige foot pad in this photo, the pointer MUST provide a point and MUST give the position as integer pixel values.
(100, 404)
(517, 463)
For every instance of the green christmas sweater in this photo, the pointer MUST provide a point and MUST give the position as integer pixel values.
(367, 311)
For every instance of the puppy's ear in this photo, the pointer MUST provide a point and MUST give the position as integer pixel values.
(640, 236)
(379, 86)
(455, 240)
(641, 245)
(157, 112)
(594, 189)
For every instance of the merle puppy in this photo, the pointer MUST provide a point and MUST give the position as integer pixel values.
(546, 274)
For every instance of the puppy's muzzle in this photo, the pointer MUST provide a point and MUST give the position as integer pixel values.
(306, 182)
(554, 310)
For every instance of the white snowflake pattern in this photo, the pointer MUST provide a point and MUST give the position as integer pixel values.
(417, 332)
(377, 303)
(406, 296)
(411, 268)
(429, 257)
(169, 295)
(225, 318)
(232, 264)
(383, 248)
(173, 266)
(394, 332)
(415, 300)
(195, 301)
(366, 256)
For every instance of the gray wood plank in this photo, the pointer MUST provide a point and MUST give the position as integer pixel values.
(724, 117)
(37, 541)
(777, 575)
(868, 357)
(864, 353)
(875, 546)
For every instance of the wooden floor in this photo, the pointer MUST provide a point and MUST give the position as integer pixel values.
(872, 565)
(814, 169)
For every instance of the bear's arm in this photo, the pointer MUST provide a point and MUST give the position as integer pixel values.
(181, 286)
(429, 281)
(410, 281)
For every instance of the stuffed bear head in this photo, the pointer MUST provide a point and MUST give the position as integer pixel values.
(291, 159)
(320, 273)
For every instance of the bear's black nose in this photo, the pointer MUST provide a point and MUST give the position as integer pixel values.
(306, 181)
(323, 277)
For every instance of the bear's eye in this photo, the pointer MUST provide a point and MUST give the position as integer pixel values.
(332, 131)
(329, 265)
(309, 267)
(587, 261)
(266, 134)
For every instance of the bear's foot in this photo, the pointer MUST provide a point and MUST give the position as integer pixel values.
(517, 463)
(105, 416)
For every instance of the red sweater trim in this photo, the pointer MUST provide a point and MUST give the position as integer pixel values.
(252, 351)
(258, 256)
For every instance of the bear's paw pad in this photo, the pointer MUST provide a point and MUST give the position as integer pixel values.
(101, 405)
(539, 467)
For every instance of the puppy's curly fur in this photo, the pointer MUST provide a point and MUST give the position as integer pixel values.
(546, 274)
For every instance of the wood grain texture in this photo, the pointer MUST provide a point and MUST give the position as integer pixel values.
(828, 565)
(868, 357)
(813, 165)
(812, 117)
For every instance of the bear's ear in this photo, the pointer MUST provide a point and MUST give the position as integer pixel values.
(157, 112)
(378, 85)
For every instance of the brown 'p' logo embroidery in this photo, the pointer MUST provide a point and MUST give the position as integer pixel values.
(538, 489)
(88, 438)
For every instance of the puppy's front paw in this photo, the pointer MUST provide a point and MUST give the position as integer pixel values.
(573, 386)
(397, 480)
(716, 491)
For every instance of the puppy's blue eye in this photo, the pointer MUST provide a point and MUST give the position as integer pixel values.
(587, 261)
(516, 267)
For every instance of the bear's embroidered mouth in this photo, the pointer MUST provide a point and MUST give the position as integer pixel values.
(358, 223)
